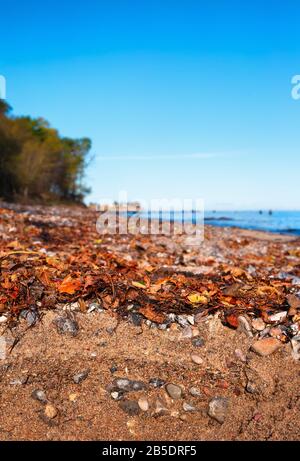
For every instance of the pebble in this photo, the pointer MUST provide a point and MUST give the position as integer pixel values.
(79, 377)
(67, 326)
(295, 343)
(266, 346)
(73, 397)
(113, 369)
(39, 394)
(19, 381)
(182, 320)
(160, 408)
(244, 326)
(217, 408)
(240, 355)
(196, 359)
(29, 315)
(195, 392)
(198, 342)
(278, 317)
(117, 395)
(186, 333)
(143, 404)
(175, 392)
(128, 385)
(157, 382)
(3, 318)
(188, 407)
(258, 324)
(50, 411)
(130, 407)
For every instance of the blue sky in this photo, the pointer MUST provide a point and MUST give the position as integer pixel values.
(181, 98)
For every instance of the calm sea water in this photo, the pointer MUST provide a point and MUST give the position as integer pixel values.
(287, 222)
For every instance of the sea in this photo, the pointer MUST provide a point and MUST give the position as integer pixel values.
(283, 222)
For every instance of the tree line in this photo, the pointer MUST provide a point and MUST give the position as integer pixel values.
(37, 164)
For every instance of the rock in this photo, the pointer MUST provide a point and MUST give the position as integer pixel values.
(258, 324)
(127, 385)
(117, 395)
(252, 388)
(130, 407)
(30, 316)
(143, 404)
(295, 343)
(239, 354)
(278, 317)
(195, 392)
(183, 322)
(266, 346)
(217, 408)
(113, 369)
(81, 376)
(175, 392)
(186, 333)
(157, 382)
(50, 411)
(160, 408)
(73, 397)
(3, 318)
(19, 381)
(244, 326)
(191, 319)
(66, 325)
(196, 359)
(198, 342)
(39, 394)
(188, 407)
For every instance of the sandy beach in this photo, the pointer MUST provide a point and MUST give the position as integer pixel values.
(142, 337)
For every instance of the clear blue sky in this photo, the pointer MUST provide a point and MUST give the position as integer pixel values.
(180, 98)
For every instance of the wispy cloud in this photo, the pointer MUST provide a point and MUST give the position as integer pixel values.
(197, 155)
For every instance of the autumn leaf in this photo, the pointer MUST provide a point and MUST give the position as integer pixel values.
(139, 285)
(150, 314)
(197, 298)
(69, 285)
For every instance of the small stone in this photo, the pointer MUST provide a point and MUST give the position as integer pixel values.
(191, 319)
(157, 382)
(19, 381)
(39, 395)
(198, 342)
(258, 324)
(175, 392)
(217, 408)
(50, 411)
(278, 317)
(251, 388)
(3, 318)
(195, 392)
(113, 369)
(143, 404)
(79, 377)
(117, 395)
(66, 325)
(295, 343)
(239, 354)
(244, 326)
(160, 408)
(73, 397)
(196, 359)
(266, 346)
(186, 333)
(30, 316)
(188, 407)
(128, 385)
(130, 407)
(182, 320)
